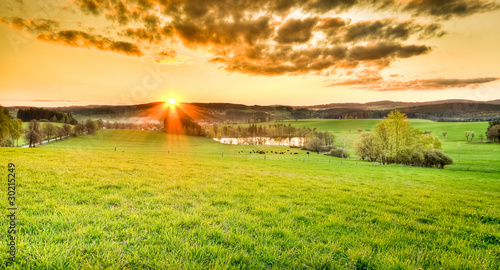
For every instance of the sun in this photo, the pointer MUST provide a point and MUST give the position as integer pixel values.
(171, 101)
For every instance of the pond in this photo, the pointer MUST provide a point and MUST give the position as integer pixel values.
(293, 141)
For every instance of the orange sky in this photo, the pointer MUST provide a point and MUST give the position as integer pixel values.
(298, 52)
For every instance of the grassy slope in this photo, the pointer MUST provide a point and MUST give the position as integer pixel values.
(479, 157)
(174, 202)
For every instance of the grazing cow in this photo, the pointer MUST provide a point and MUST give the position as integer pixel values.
(295, 153)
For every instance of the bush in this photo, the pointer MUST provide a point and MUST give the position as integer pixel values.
(338, 152)
(436, 158)
(493, 133)
(313, 144)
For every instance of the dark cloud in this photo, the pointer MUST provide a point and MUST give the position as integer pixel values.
(142, 34)
(296, 31)
(265, 37)
(324, 6)
(378, 84)
(85, 40)
(283, 60)
(218, 32)
(449, 8)
(382, 50)
(390, 29)
(31, 25)
(89, 6)
(358, 81)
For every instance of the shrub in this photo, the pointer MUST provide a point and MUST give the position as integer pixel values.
(313, 144)
(493, 133)
(338, 152)
(436, 158)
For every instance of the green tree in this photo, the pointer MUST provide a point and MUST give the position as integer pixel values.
(493, 133)
(394, 133)
(90, 126)
(79, 129)
(395, 141)
(17, 130)
(5, 127)
(368, 146)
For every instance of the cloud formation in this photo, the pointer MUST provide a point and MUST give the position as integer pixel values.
(266, 37)
(34, 25)
(378, 84)
(85, 40)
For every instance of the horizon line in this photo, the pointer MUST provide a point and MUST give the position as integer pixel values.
(220, 102)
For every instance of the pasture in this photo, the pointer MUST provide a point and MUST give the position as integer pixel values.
(175, 202)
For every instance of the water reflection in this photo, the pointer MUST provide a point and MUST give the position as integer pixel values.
(293, 141)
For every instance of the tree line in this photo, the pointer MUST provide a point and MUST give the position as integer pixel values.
(271, 131)
(29, 114)
(37, 132)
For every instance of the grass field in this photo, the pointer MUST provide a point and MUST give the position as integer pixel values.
(173, 202)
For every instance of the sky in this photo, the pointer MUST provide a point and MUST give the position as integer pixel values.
(265, 52)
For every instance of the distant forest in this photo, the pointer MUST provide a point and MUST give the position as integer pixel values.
(447, 111)
(29, 114)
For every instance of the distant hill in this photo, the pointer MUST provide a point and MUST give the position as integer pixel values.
(388, 105)
(443, 110)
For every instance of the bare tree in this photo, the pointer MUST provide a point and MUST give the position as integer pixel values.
(49, 131)
(33, 134)
(66, 130)
(314, 144)
(61, 132)
(467, 135)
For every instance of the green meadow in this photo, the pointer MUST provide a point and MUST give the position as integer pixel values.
(175, 202)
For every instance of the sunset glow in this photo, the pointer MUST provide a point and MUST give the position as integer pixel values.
(301, 53)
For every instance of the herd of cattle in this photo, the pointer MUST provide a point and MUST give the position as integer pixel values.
(261, 152)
